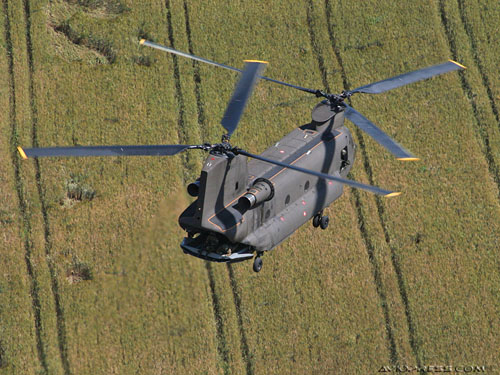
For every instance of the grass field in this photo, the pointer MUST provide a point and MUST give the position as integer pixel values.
(95, 282)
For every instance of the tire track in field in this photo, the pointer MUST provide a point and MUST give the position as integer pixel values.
(477, 59)
(391, 344)
(492, 166)
(315, 47)
(396, 263)
(222, 342)
(196, 76)
(245, 350)
(467, 89)
(60, 320)
(181, 131)
(222, 350)
(26, 224)
(376, 273)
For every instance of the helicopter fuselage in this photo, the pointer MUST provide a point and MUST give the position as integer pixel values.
(244, 206)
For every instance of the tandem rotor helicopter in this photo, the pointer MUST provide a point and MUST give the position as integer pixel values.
(245, 207)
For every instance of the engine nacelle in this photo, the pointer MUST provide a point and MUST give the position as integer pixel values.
(261, 191)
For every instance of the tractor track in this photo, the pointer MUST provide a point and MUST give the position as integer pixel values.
(477, 59)
(492, 166)
(181, 132)
(467, 89)
(222, 342)
(60, 320)
(23, 206)
(222, 349)
(362, 221)
(396, 263)
(376, 273)
(379, 286)
(315, 47)
(196, 76)
(245, 350)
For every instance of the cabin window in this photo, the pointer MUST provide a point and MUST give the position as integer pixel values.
(268, 213)
(344, 158)
(236, 186)
(287, 200)
(306, 186)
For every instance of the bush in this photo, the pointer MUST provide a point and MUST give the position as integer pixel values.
(77, 189)
(143, 60)
(79, 271)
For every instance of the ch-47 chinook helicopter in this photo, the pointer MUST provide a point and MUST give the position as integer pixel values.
(246, 207)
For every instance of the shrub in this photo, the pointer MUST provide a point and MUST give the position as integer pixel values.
(77, 189)
(79, 271)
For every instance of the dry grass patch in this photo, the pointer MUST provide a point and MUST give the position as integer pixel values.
(73, 44)
(92, 49)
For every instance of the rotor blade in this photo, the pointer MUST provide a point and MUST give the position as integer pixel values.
(407, 78)
(160, 47)
(153, 150)
(378, 135)
(241, 93)
(372, 189)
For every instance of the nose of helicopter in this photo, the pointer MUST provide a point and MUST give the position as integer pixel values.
(200, 248)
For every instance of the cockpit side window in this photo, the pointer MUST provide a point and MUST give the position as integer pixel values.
(344, 158)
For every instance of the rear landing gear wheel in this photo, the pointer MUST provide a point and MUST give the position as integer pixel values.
(323, 223)
(257, 264)
(317, 219)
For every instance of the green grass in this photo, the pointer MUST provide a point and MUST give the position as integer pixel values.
(450, 205)
(409, 280)
(17, 343)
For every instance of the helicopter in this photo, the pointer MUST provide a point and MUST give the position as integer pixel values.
(247, 204)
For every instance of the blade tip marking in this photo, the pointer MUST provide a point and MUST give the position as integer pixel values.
(142, 41)
(393, 194)
(22, 153)
(257, 61)
(460, 65)
(411, 158)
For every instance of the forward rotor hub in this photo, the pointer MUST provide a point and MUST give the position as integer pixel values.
(223, 148)
(335, 100)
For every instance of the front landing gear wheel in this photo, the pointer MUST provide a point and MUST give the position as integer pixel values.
(323, 223)
(257, 264)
